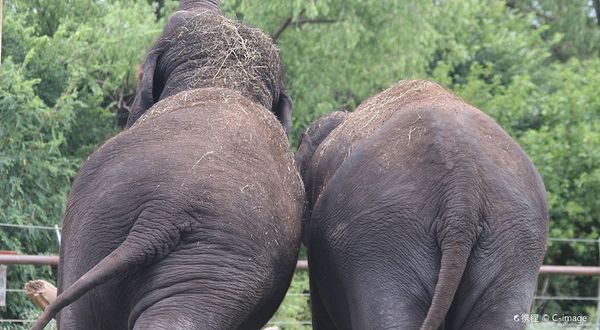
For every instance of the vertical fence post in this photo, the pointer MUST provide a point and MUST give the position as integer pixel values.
(0, 31)
(56, 228)
(598, 304)
(2, 285)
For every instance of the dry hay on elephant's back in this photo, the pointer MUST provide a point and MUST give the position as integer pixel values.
(253, 118)
(224, 53)
(372, 114)
(245, 111)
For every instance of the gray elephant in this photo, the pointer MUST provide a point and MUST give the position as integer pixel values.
(191, 218)
(423, 214)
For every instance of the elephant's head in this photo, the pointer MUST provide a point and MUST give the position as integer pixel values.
(199, 48)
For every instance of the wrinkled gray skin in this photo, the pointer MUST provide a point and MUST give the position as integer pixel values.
(423, 214)
(190, 219)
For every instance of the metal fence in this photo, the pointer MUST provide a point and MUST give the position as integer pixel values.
(303, 265)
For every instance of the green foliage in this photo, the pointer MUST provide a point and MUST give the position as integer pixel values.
(62, 78)
(576, 22)
(33, 175)
(473, 31)
(69, 68)
(294, 312)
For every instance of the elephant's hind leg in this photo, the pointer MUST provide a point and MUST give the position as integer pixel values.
(320, 318)
(498, 283)
(182, 312)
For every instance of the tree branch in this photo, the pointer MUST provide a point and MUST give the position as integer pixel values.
(560, 54)
(281, 28)
(315, 20)
(556, 50)
(539, 13)
(300, 21)
(284, 25)
(161, 4)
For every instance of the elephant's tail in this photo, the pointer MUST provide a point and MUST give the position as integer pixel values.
(143, 245)
(461, 231)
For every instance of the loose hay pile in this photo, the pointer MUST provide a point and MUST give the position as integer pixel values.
(219, 52)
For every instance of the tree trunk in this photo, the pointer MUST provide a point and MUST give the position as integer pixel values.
(40, 292)
(596, 4)
(161, 4)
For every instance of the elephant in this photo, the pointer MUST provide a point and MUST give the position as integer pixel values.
(422, 214)
(191, 217)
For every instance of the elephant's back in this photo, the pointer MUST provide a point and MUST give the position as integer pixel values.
(232, 146)
(406, 99)
(397, 113)
(210, 151)
(213, 138)
(413, 137)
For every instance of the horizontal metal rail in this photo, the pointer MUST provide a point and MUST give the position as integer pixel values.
(302, 265)
(14, 225)
(37, 260)
(21, 321)
(306, 295)
(552, 239)
(570, 270)
(16, 321)
(10, 259)
(566, 298)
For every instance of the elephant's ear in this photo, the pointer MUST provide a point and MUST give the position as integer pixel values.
(147, 94)
(283, 112)
(304, 154)
(302, 160)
